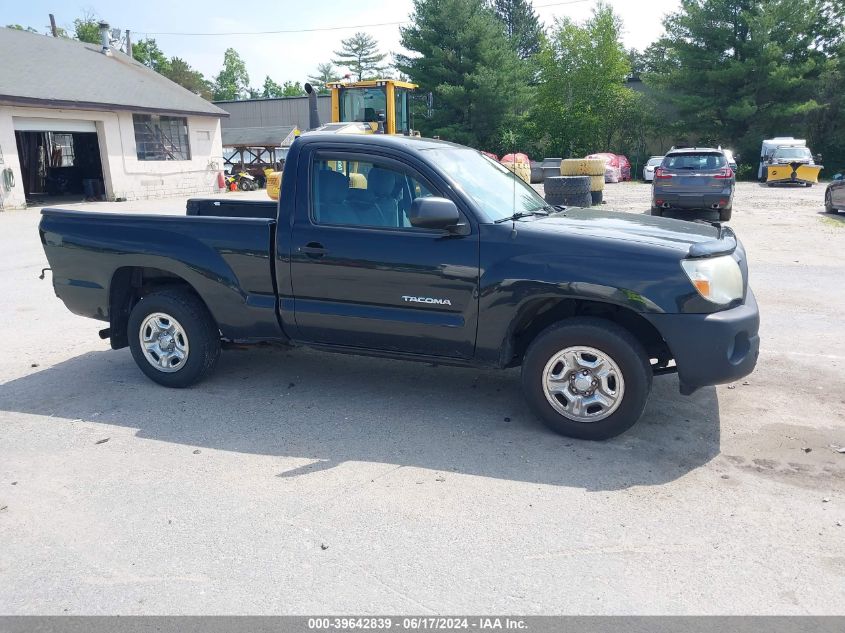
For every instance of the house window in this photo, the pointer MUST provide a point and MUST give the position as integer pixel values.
(160, 137)
(61, 150)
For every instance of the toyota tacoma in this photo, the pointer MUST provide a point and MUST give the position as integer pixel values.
(419, 249)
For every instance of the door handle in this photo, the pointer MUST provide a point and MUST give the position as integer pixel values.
(314, 249)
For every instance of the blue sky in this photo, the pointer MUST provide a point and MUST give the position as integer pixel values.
(287, 56)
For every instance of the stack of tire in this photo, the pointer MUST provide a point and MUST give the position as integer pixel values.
(592, 167)
(568, 191)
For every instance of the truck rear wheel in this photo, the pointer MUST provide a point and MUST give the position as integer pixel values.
(586, 378)
(173, 338)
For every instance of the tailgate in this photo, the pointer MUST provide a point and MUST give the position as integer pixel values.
(695, 182)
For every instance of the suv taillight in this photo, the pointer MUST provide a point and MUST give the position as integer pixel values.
(727, 172)
(661, 174)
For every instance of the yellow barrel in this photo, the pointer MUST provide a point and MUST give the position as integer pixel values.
(582, 167)
(274, 183)
(357, 181)
(523, 170)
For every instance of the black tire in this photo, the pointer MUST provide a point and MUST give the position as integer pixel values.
(764, 174)
(597, 197)
(201, 331)
(617, 344)
(567, 185)
(725, 214)
(828, 202)
(582, 200)
(657, 212)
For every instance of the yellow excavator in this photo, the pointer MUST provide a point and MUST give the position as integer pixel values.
(374, 106)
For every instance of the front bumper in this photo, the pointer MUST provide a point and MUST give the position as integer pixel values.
(711, 349)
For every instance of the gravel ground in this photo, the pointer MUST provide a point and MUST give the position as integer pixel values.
(302, 482)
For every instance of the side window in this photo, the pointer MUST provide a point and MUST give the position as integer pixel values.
(363, 193)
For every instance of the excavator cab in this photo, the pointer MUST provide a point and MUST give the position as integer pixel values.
(373, 102)
(375, 106)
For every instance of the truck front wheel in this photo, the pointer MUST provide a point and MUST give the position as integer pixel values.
(173, 338)
(587, 378)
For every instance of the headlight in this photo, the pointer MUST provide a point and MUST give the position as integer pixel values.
(717, 279)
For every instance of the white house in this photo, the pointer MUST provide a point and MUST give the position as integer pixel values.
(88, 120)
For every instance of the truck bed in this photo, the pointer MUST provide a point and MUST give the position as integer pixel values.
(226, 260)
(214, 207)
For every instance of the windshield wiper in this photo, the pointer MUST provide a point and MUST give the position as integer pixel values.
(524, 214)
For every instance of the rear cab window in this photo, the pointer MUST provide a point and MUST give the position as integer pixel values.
(695, 161)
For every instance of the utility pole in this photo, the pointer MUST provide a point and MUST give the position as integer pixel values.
(128, 43)
(53, 28)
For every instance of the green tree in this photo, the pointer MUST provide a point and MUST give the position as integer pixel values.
(826, 126)
(583, 97)
(181, 72)
(148, 53)
(460, 54)
(292, 89)
(325, 73)
(739, 71)
(271, 89)
(522, 26)
(360, 55)
(232, 82)
(87, 29)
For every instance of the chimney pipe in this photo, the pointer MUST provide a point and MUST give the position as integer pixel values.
(313, 114)
(105, 38)
(53, 28)
(128, 43)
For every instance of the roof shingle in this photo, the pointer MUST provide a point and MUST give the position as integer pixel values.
(58, 72)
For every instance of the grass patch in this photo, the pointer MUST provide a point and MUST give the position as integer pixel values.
(834, 220)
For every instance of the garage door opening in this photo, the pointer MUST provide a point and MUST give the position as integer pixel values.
(60, 166)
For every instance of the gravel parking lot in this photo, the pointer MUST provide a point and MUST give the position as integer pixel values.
(303, 482)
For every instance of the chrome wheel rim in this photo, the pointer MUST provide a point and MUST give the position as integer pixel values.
(583, 383)
(164, 342)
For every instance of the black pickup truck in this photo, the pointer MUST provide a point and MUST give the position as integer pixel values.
(418, 249)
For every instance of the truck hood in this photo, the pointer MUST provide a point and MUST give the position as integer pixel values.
(692, 239)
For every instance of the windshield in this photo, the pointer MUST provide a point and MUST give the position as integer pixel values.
(362, 104)
(696, 161)
(654, 162)
(497, 192)
(792, 152)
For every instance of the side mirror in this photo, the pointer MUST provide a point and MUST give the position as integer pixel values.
(434, 213)
(818, 158)
(838, 176)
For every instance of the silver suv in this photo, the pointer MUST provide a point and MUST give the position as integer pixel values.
(693, 178)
